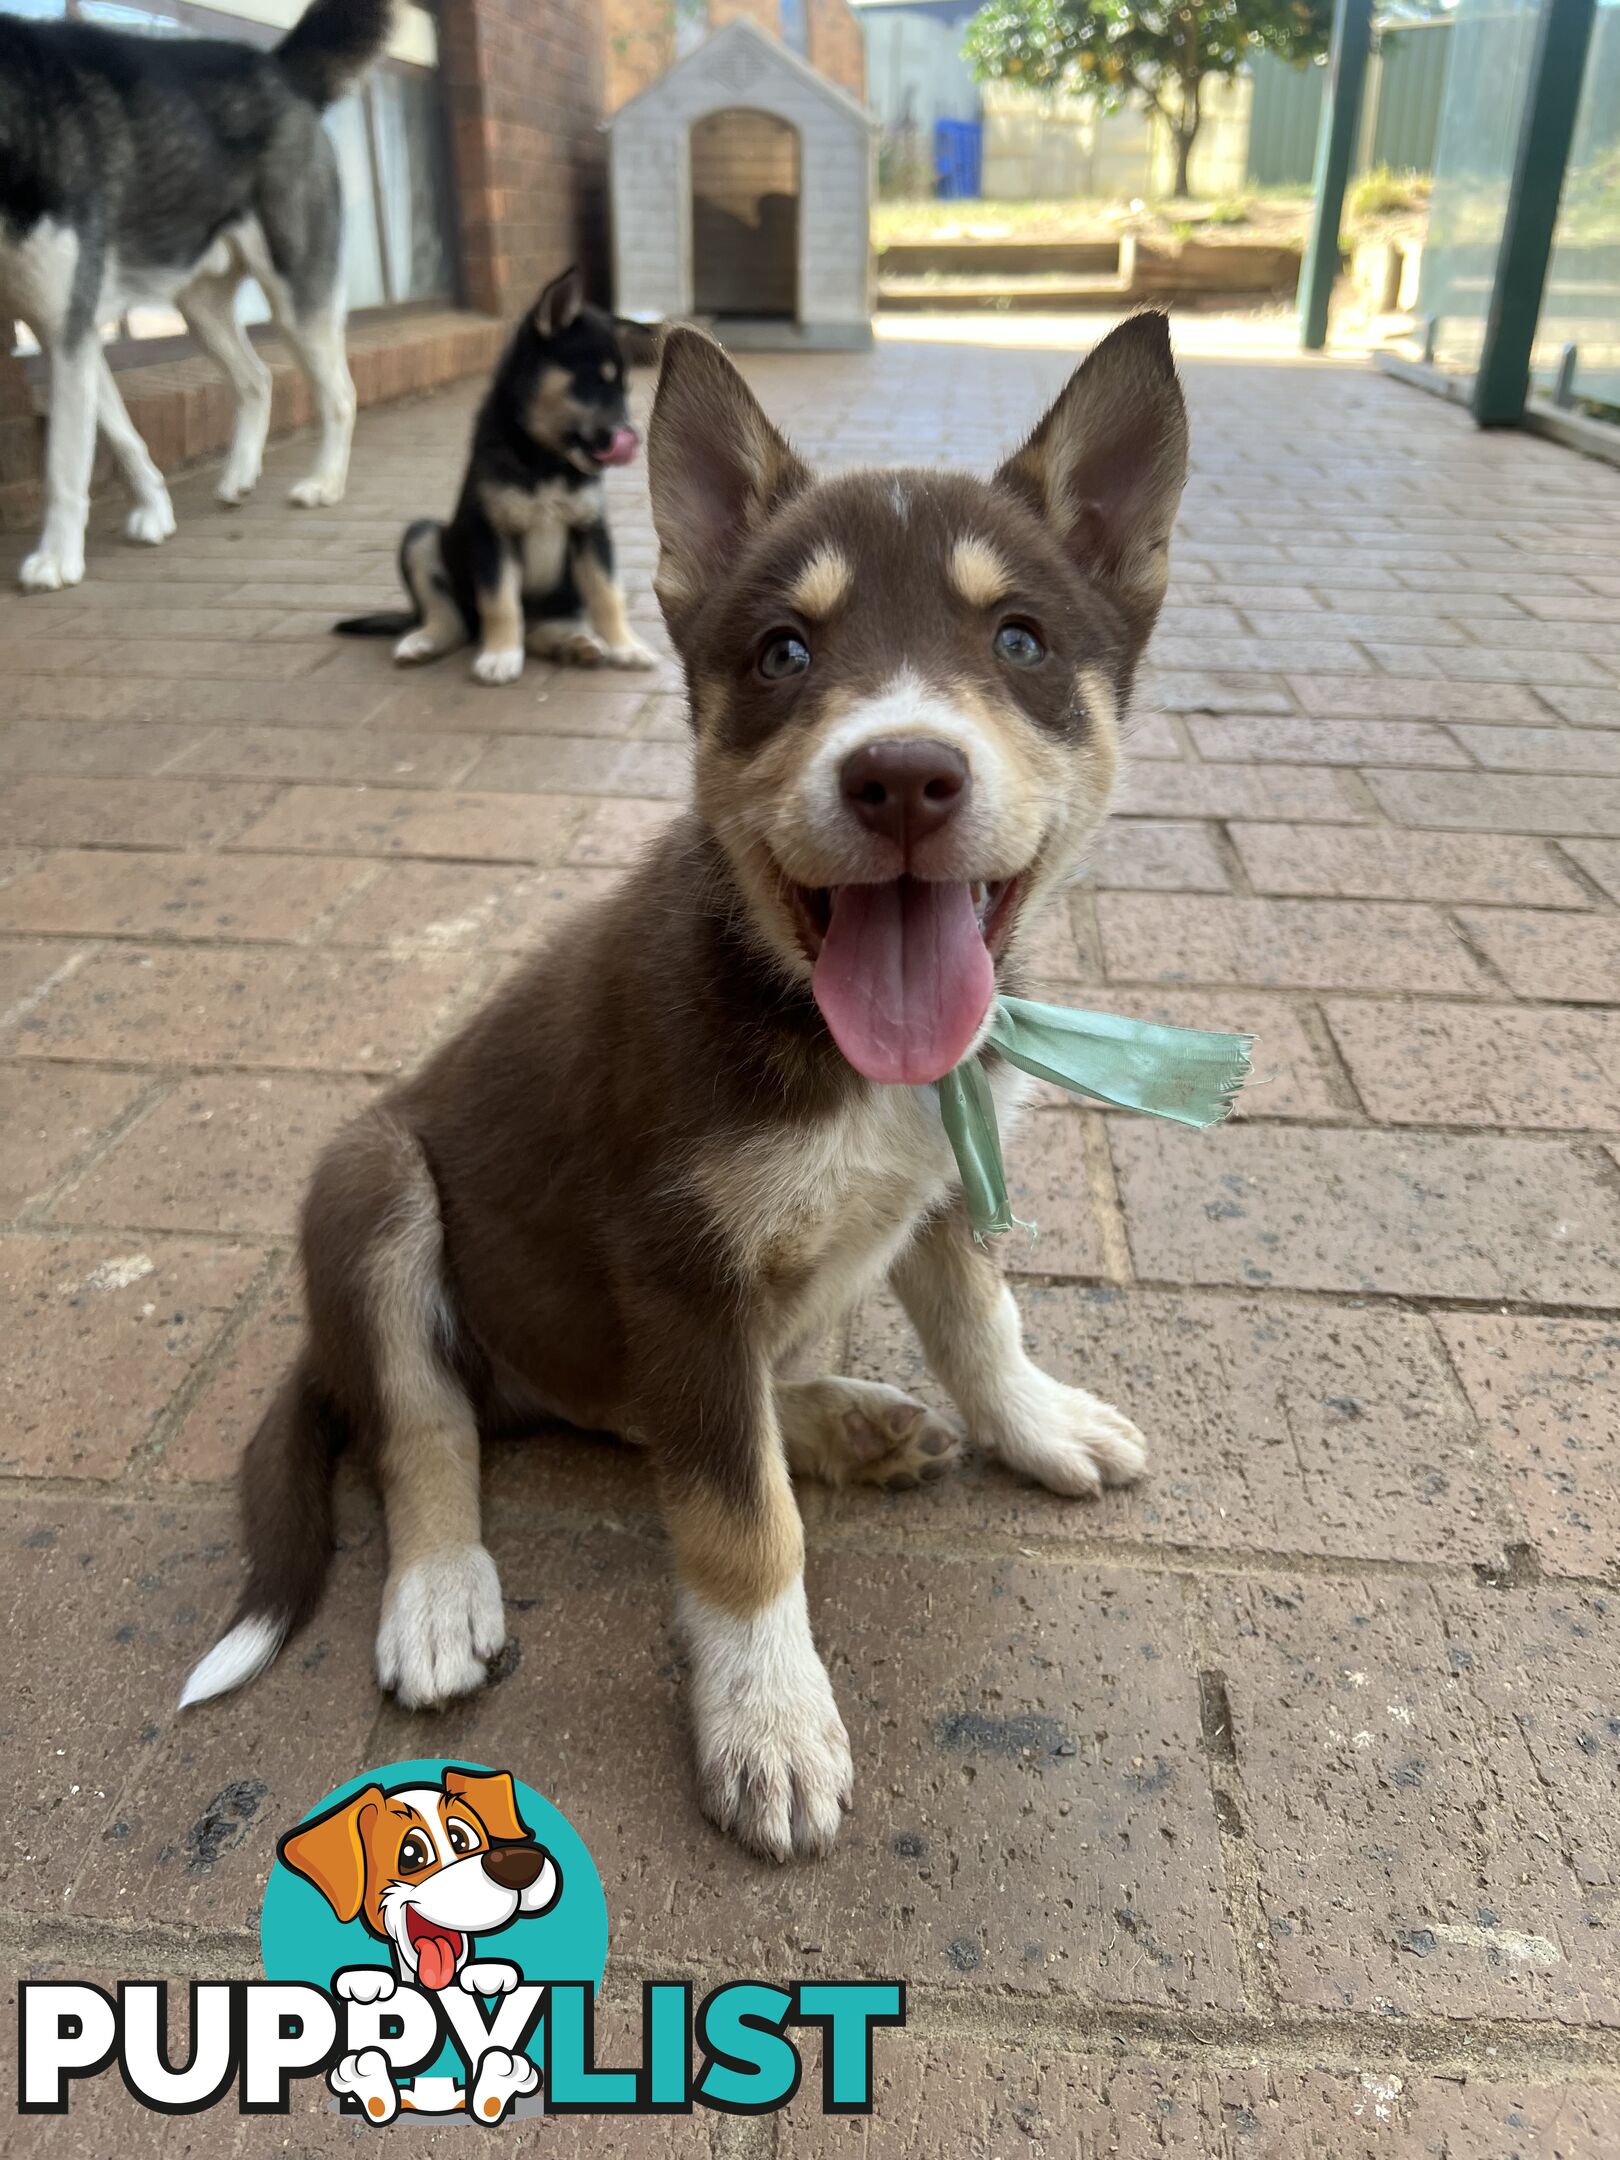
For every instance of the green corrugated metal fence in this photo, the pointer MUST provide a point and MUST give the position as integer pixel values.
(1411, 83)
(1283, 121)
(1408, 84)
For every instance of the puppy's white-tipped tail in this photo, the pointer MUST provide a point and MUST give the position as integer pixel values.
(287, 1528)
(236, 1658)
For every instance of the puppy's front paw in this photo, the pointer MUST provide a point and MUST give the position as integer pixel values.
(498, 667)
(365, 1984)
(502, 2078)
(49, 569)
(489, 1978)
(441, 1624)
(633, 655)
(149, 524)
(1065, 1439)
(774, 1768)
(365, 2077)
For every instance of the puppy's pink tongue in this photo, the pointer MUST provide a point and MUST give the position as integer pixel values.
(903, 978)
(435, 1961)
(622, 449)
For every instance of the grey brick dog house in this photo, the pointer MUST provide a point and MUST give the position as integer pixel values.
(741, 190)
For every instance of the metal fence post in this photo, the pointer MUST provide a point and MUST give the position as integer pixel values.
(1551, 97)
(1335, 144)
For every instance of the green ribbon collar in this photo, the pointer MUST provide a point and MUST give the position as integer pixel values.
(1169, 1072)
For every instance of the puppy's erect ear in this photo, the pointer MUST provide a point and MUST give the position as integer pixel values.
(716, 468)
(560, 302)
(1106, 466)
(493, 1799)
(330, 1852)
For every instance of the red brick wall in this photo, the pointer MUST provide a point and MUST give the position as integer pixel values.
(836, 50)
(766, 13)
(640, 38)
(523, 84)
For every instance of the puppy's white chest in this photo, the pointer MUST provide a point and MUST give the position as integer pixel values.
(542, 519)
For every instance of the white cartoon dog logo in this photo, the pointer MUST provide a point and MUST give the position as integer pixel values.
(426, 1868)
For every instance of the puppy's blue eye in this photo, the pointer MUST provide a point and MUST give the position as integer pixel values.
(1018, 645)
(782, 655)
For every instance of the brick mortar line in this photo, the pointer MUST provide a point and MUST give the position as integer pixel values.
(1229, 856)
(1477, 952)
(167, 1424)
(1490, 2049)
(318, 937)
(1107, 1202)
(1424, 1306)
(1602, 902)
(33, 1217)
(640, 1522)
(1243, 1893)
(1317, 1030)
(1604, 1166)
(21, 1007)
(1353, 786)
(1140, 1556)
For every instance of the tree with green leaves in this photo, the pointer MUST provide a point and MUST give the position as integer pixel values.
(1158, 53)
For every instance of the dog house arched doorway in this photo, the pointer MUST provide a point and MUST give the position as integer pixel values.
(745, 181)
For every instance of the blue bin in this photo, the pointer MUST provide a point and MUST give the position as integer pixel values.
(958, 154)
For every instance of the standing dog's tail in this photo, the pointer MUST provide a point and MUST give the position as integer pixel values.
(287, 1527)
(331, 45)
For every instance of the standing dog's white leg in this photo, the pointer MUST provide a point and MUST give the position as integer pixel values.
(209, 308)
(152, 517)
(317, 342)
(70, 455)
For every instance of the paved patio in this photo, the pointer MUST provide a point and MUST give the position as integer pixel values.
(1267, 1810)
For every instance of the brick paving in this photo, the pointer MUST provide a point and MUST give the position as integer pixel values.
(1269, 1808)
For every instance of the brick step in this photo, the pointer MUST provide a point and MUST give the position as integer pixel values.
(184, 411)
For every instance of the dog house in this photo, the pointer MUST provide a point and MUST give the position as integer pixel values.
(741, 189)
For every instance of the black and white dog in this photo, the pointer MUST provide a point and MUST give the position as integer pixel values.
(526, 562)
(137, 170)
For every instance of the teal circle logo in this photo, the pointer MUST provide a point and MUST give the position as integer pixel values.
(444, 1879)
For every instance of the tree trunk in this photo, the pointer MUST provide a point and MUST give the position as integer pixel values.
(1185, 138)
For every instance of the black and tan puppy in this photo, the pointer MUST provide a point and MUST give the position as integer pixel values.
(693, 1130)
(527, 556)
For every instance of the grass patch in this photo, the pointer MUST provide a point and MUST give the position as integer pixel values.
(1384, 193)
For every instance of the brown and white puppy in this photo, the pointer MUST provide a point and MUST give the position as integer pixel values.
(696, 1127)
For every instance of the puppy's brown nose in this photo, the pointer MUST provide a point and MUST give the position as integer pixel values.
(906, 787)
(514, 1867)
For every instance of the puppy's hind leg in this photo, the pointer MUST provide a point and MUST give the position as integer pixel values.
(380, 1308)
(441, 627)
(859, 1432)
